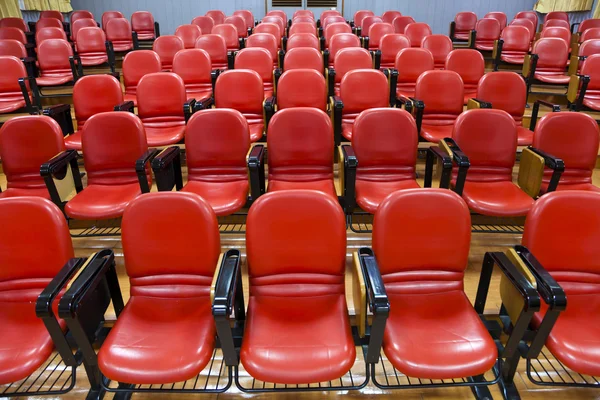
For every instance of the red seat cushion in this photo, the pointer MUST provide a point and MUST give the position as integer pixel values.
(92, 59)
(54, 80)
(102, 201)
(435, 133)
(524, 136)
(180, 345)
(325, 185)
(146, 36)
(161, 133)
(7, 106)
(513, 57)
(347, 126)
(500, 199)
(437, 336)
(17, 192)
(256, 125)
(318, 345)
(552, 77)
(225, 198)
(369, 194)
(73, 141)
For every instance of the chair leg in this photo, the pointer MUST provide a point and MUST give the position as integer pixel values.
(481, 392)
(506, 383)
(97, 394)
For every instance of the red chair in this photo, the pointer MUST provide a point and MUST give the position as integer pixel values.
(166, 47)
(527, 24)
(266, 41)
(92, 48)
(513, 46)
(583, 88)
(276, 20)
(11, 22)
(278, 13)
(135, 65)
(464, 22)
(303, 13)
(558, 32)
(556, 15)
(49, 33)
(204, 23)
(390, 45)
(302, 27)
(108, 15)
(588, 24)
(55, 57)
(142, 23)
(10, 47)
(334, 29)
(488, 31)
(530, 15)
(367, 23)
(195, 68)
(470, 65)
(216, 48)
(552, 57)
(239, 23)
(348, 59)
(360, 15)
(400, 23)
(411, 63)
(13, 34)
(217, 16)
(303, 58)
(377, 32)
(498, 16)
(79, 25)
(188, 34)
(389, 16)
(328, 13)
(119, 33)
(21, 161)
(269, 29)
(259, 60)
(557, 23)
(341, 41)
(586, 49)
(333, 19)
(248, 17)
(298, 40)
(440, 46)
(48, 23)
(15, 96)
(416, 32)
(592, 33)
(302, 88)
(80, 14)
(298, 20)
(52, 14)
(229, 33)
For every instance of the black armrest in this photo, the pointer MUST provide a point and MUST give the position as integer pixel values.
(326, 58)
(57, 168)
(140, 168)
(136, 42)
(472, 39)
(497, 53)
(349, 182)
(377, 59)
(434, 153)
(205, 104)
(30, 50)
(573, 26)
(331, 81)
(419, 109)
(338, 108)
(322, 42)
(228, 297)
(536, 109)
(269, 110)
(556, 164)
(377, 300)
(281, 57)
(167, 169)
(30, 38)
(230, 60)
(481, 103)
(156, 29)
(392, 75)
(110, 51)
(76, 67)
(284, 41)
(30, 67)
(241, 43)
(463, 165)
(61, 113)
(406, 102)
(365, 42)
(276, 75)
(256, 167)
(214, 74)
(188, 109)
(452, 31)
(125, 106)
(32, 105)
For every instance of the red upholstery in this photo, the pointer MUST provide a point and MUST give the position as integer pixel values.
(108, 15)
(92, 94)
(166, 47)
(27, 268)
(389, 16)
(416, 32)
(574, 138)
(48, 23)
(188, 35)
(360, 90)
(298, 20)
(194, 67)
(334, 29)
(328, 13)
(385, 142)
(265, 41)
(341, 41)
(79, 25)
(11, 97)
(377, 32)
(303, 13)
(553, 56)
(592, 33)
(271, 29)
(217, 16)
(248, 17)
(488, 31)
(360, 15)
(498, 16)
(527, 23)
(422, 268)
(556, 15)
(390, 45)
(166, 332)
(530, 15)
(440, 46)
(142, 22)
(216, 143)
(80, 14)
(349, 59)
(333, 19)
(216, 48)
(303, 40)
(400, 23)
(573, 339)
(49, 33)
(135, 65)
(52, 14)
(557, 32)
(276, 20)
(588, 24)
(118, 31)
(591, 68)
(464, 23)
(204, 23)
(442, 92)
(303, 57)
(489, 139)
(411, 63)
(11, 22)
(21, 160)
(259, 60)
(278, 13)
(14, 48)
(242, 90)
(302, 27)
(239, 23)
(588, 49)
(470, 65)
(229, 33)
(160, 99)
(516, 44)
(91, 46)
(302, 88)
(286, 280)
(53, 59)
(13, 34)
(554, 23)
(112, 142)
(368, 22)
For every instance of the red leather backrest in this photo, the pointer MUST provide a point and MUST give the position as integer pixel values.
(350, 59)
(435, 237)
(108, 15)
(301, 88)
(278, 13)
(302, 58)
(11, 22)
(505, 90)
(229, 33)
(53, 54)
(588, 24)
(333, 19)
(368, 22)
(527, 23)
(465, 21)
(468, 63)
(188, 34)
(264, 40)
(269, 28)
(439, 45)
(303, 13)
(557, 23)
(12, 70)
(239, 23)
(25, 144)
(591, 67)
(592, 33)
(215, 46)
(240, 89)
(400, 23)
(80, 14)
(363, 89)
(299, 235)
(516, 38)
(91, 40)
(328, 13)
(498, 16)
(11, 47)
(441, 91)
(340, 41)
(139, 63)
(334, 29)
(557, 32)
(556, 15)
(488, 29)
(256, 59)
(13, 34)
(385, 140)
(248, 17)
(49, 33)
(389, 16)
(412, 62)
(297, 20)
(573, 137)
(589, 48)
(161, 94)
(94, 94)
(118, 29)
(48, 23)
(416, 32)
(302, 27)
(112, 143)
(530, 15)
(488, 137)
(360, 15)
(217, 142)
(52, 14)
(303, 40)
(27, 223)
(217, 16)
(377, 31)
(167, 257)
(80, 24)
(204, 23)
(193, 66)
(276, 21)
(142, 21)
(552, 52)
(391, 44)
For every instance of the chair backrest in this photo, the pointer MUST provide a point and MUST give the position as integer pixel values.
(588, 49)
(556, 15)
(363, 89)
(12, 69)
(142, 22)
(94, 94)
(278, 13)
(303, 58)
(328, 13)
(218, 16)
(13, 34)
(368, 22)
(468, 63)
(240, 89)
(256, 59)
(11, 47)
(91, 40)
(217, 142)
(265, 41)
(400, 23)
(553, 53)
(592, 33)
(79, 25)
(108, 15)
(118, 30)
(441, 91)
(303, 13)
(527, 23)
(465, 21)
(303, 40)
(160, 95)
(333, 19)
(411, 63)
(48, 23)
(229, 33)
(194, 225)
(215, 46)
(80, 14)
(270, 28)
(341, 41)
(53, 56)
(138, 63)
(390, 45)
(530, 15)
(274, 19)
(334, 29)
(12, 22)
(49, 33)
(378, 31)
(557, 23)
(297, 20)
(205, 24)
(488, 29)
(516, 39)
(166, 47)
(239, 23)
(557, 32)
(440, 46)
(360, 15)
(300, 143)
(248, 17)
(350, 59)
(52, 14)
(302, 88)
(498, 16)
(389, 16)
(417, 32)
(588, 24)
(188, 35)
(303, 27)
(505, 91)
(194, 67)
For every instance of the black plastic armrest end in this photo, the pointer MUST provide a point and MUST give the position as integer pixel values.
(189, 108)
(125, 106)
(140, 168)
(226, 284)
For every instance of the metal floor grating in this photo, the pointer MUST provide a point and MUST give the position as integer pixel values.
(547, 370)
(53, 377)
(514, 229)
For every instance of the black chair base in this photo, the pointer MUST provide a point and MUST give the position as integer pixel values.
(546, 370)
